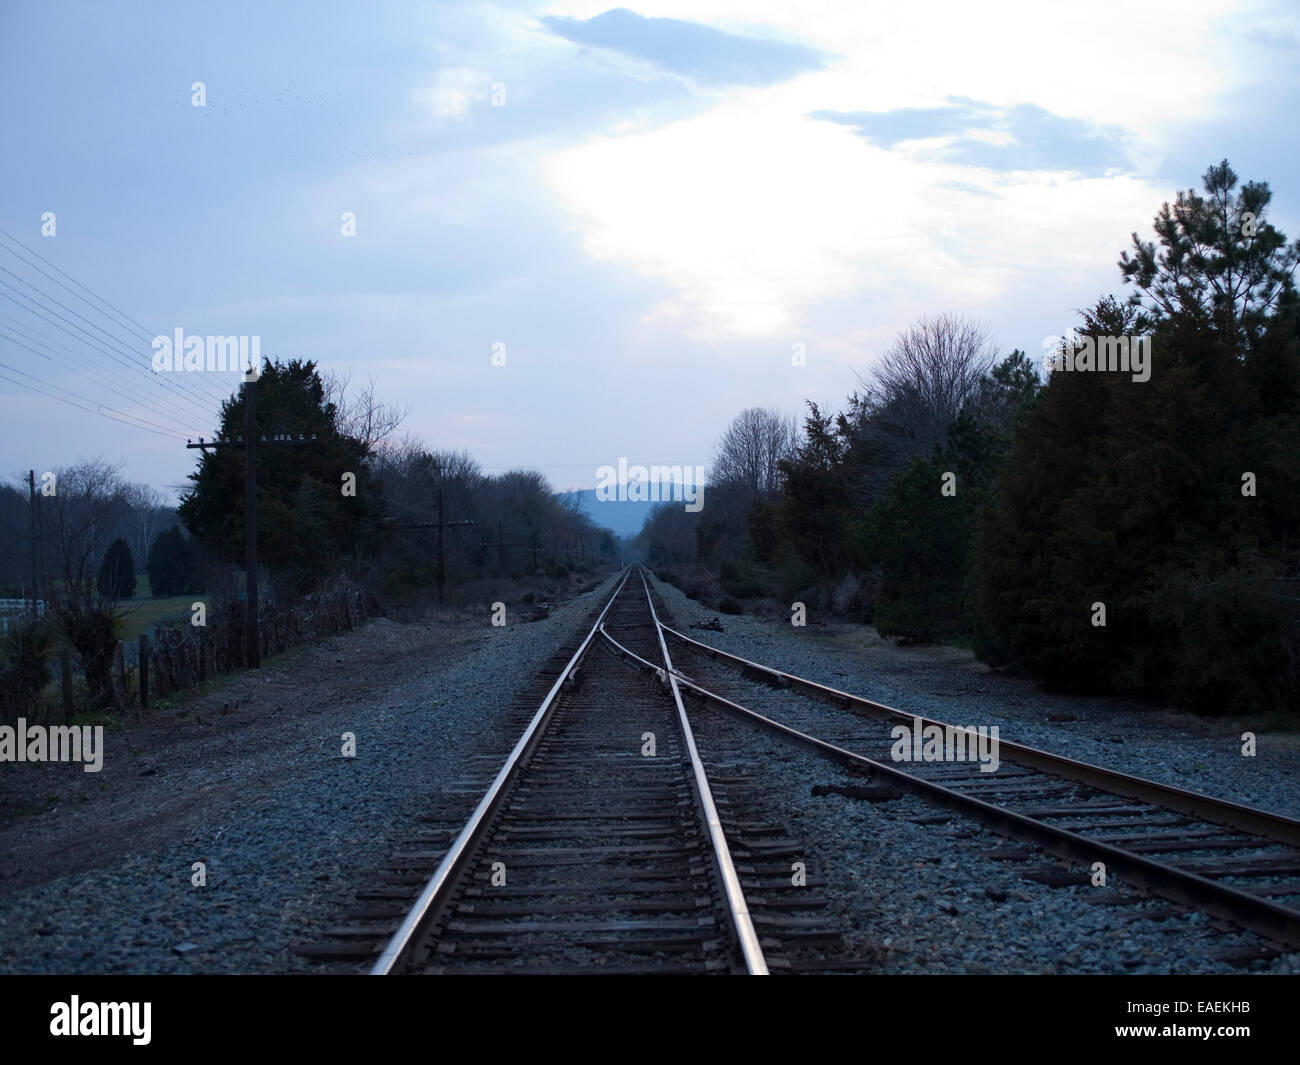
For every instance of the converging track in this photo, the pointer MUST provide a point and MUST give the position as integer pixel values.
(1235, 862)
(599, 846)
(609, 842)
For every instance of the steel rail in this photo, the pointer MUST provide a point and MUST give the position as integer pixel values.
(1260, 915)
(431, 898)
(1277, 827)
(741, 922)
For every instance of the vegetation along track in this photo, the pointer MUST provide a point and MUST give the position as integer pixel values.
(1234, 862)
(603, 845)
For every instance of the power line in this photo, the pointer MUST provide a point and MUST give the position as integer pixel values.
(92, 343)
(144, 331)
(98, 409)
(186, 397)
(102, 377)
(115, 340)
(127, 351)
(69, 391)
(92, 410)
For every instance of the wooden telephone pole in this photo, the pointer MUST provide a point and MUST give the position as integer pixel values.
(249, 441)
(440, 525)
(31, 518)
(501, 549)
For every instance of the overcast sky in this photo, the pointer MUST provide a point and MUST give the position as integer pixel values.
(648, 207)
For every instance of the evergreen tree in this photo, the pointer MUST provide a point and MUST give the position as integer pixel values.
(174, 564)
(1136, 494)
(920, 531)
(116, 579)
(305, 524)
(815, 514)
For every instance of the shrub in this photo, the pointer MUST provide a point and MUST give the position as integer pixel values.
(90, 630)
(25, 652)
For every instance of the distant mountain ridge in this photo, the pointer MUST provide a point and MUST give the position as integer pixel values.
(622, 517)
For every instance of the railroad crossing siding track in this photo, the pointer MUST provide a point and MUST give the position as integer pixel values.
(612, 881)
(604, 868)
(1257, 865)
(596, 860)
(921, 890)
(798, 930)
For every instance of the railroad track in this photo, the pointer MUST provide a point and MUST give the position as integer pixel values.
(609, 842)
(1234, 862)
(605, 844)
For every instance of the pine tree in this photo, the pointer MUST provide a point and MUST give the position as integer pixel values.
(1131, 493)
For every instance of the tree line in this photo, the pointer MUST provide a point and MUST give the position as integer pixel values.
(1097, 530)
(348, 506)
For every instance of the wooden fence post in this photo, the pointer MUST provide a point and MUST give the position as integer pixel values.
(144, 672)
(119, 662)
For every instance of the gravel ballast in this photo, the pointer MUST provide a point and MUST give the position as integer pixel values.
(286, 826)
(250, 780)
(927, 898)
(1195, 753)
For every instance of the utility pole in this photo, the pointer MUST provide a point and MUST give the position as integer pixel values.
(31, 531)
(252, 644)
(501, 549)
(43, 585)
(440, 525)
(442, 569)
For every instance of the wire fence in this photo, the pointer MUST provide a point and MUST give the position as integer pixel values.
(171, 659)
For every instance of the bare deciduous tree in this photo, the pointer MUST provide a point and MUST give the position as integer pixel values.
(918, 389)
(146, 515)
(362, 416)
(78, 522)
(749, 451)
(930, 372)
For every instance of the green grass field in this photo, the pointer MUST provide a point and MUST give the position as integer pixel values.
(144, 614)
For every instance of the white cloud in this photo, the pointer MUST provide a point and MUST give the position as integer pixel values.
(1121, 60)
(755, 213)
(755, 218)
(452, 91)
